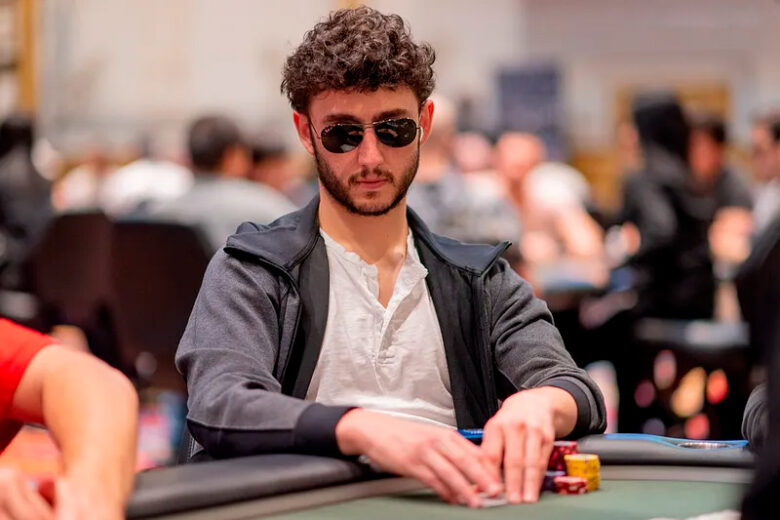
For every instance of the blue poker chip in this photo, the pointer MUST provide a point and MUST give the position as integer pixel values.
(474, 434)
(548, 484)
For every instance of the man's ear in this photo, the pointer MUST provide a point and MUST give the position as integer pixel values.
(426, 120)
(302, 127)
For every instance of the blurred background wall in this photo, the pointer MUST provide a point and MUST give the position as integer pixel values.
(124, 71)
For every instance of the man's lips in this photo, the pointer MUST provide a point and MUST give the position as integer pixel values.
(372, 184)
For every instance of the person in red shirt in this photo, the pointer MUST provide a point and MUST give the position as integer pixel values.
(91, 411)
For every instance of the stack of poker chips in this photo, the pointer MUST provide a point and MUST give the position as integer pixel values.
(586, 466)
(570, 472)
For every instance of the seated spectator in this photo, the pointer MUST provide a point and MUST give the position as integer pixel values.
(551, 200)
(80, 188)
(144, 181)
(221, 196)
(92, 413)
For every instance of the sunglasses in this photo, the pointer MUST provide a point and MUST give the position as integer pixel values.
(345, 137)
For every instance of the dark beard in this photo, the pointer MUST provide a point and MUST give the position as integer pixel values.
(340, 191)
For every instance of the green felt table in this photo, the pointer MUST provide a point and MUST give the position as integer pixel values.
(618, 499)
(627, 493)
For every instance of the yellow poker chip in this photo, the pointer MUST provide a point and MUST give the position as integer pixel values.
(584, 465)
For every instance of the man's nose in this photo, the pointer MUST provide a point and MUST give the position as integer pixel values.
(369, 154)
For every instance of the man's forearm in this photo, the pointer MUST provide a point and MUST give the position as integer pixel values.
(92, 412)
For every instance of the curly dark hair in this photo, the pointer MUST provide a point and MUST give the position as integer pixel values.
(359, 49)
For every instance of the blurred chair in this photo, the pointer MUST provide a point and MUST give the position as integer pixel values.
(70, 278)
(157, 270)
(696, 349)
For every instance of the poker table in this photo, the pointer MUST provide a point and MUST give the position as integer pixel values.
(643, 477)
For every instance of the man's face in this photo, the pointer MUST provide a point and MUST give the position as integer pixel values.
(766, 163)
(706, 156)
(373, 178)
(516, 155)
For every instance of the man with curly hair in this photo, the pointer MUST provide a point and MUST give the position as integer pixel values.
(348, 328)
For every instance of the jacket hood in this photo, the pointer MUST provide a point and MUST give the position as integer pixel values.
(289, 239)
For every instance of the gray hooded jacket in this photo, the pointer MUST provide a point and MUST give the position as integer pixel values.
(256, 330)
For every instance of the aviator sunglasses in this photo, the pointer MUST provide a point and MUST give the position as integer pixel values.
(345, 137)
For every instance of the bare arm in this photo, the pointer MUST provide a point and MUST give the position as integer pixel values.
(92, 412)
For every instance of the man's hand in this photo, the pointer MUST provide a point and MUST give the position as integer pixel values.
(521, 436)
(20, 501)
(438, 457)
(73, 500)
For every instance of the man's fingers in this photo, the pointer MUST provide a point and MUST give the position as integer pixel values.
(22, 503)
(429, 478)
(534, 465)
(514, 462)
(471, 462)
(38, 504)
(493, 447)
(451, 476)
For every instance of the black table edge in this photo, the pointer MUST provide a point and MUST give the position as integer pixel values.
(202, 485)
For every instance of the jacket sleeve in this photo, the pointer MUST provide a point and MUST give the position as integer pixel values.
(754, 420)
(227, 355)
(529, 350)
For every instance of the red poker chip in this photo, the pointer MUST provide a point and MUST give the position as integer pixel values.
(571, 485)
(559, 451)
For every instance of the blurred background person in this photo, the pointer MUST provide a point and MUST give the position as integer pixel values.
(733, 202)
(144, 180)
(451, 203)
(25, 198)
(438, 193)
(672, 267)
(709, 162)
(80, 188)
(765, 158)
(273, 165)
(472, 152)
(627, 146)
(221, 196)
(550, 198)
